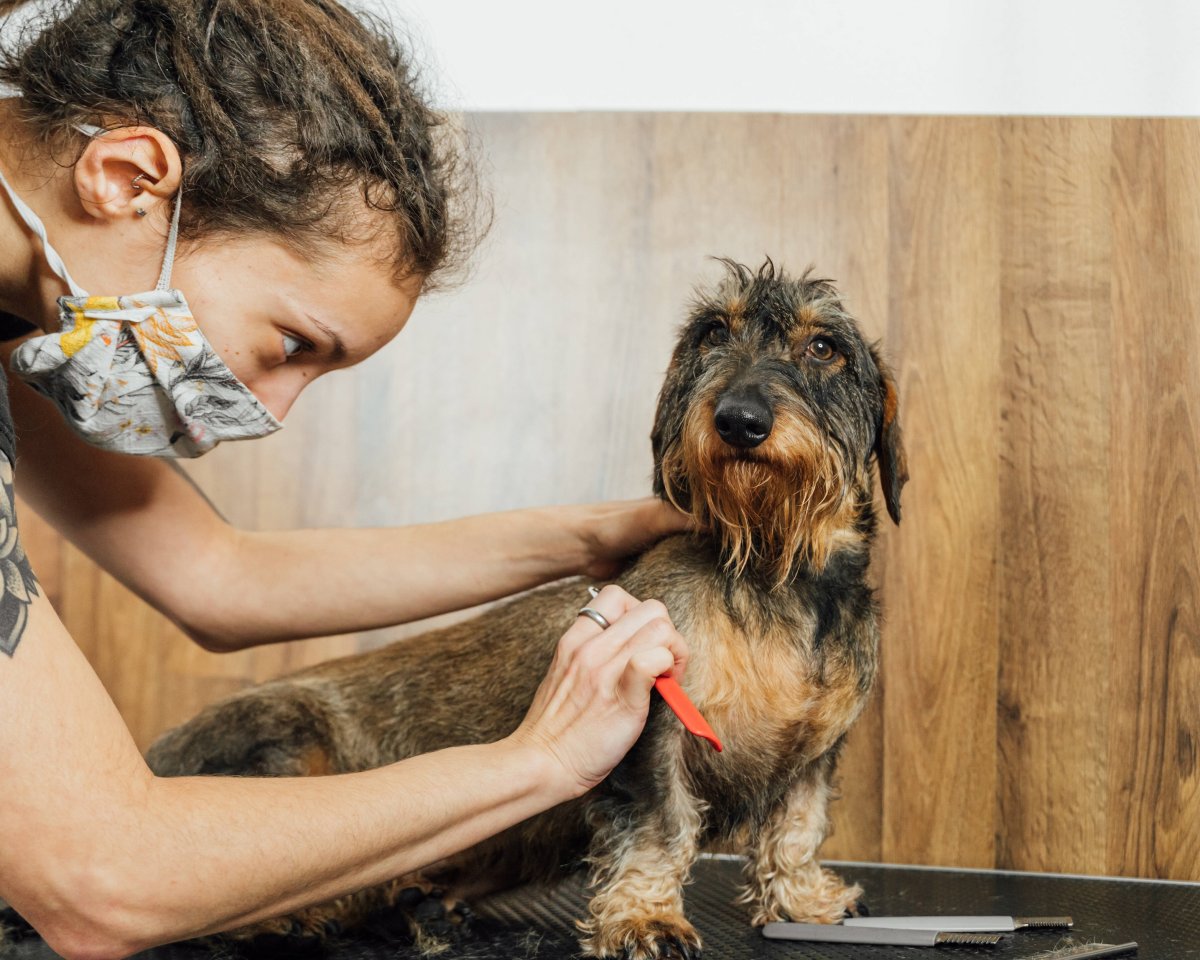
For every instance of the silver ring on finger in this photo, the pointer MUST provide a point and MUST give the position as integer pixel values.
(595, 616)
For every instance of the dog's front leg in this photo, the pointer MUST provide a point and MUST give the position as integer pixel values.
(785, 880)
(641, 856)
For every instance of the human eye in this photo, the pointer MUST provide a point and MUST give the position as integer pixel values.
(293, 345)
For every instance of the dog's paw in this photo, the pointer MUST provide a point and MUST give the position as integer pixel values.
(646, 938)
(426, 914)
(443, 916)
(818, 897)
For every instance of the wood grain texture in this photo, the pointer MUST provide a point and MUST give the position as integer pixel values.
(1036, 283)
(1053, 473)
(940, 577)
(1154, 789)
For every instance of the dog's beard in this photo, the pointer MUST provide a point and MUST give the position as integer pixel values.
(772, 507)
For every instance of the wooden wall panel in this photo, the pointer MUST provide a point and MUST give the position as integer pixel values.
(940, 577)
(1154, 788)
(1054, 487)
(1037, 284)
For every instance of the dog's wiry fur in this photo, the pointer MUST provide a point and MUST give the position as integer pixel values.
(771, 595)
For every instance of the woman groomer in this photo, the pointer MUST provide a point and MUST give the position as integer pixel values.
(285, 146)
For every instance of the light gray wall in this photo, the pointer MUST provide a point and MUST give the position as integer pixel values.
(1051, 57)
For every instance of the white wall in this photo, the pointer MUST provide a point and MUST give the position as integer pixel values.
(1121, 57)
(1125, 57)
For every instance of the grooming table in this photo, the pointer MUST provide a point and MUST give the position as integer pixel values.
(1164, 919)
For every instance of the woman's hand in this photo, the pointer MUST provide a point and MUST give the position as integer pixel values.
(611, 532)
(595, 698)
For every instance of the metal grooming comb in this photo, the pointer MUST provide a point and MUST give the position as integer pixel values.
(1042, 923)
(963, 924)
(835, 933)
(1088, 951)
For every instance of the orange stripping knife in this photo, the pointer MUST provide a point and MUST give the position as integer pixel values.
(674, 697)
(672, 693)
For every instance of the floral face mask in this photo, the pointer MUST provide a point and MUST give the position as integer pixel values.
(133, 374)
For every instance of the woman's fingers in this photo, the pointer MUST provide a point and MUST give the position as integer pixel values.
(641, 670)
(623, 612)
(593, 702)
(678, 647)
(647, 624)
(658, 639)
(628, 618)
(657, 630)
(612, 603)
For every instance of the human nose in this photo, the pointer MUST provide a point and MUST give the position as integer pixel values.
(278, 392)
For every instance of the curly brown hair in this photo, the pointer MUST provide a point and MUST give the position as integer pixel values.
(287, 114)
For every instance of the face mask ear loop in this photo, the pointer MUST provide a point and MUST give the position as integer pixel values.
(164, 276)
(34, 222)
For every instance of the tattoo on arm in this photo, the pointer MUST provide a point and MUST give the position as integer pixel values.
(19, 586)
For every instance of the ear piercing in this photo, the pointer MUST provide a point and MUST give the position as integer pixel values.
(137, 188)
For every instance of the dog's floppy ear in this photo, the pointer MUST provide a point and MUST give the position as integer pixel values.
(889, 446)
(668, 425)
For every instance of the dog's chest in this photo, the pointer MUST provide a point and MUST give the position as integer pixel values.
(775, 698)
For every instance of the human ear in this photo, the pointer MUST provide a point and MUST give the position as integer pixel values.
(127, 170)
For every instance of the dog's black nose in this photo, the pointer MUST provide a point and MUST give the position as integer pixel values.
(743, 419)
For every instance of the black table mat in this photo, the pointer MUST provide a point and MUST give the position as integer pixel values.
(1164, 919)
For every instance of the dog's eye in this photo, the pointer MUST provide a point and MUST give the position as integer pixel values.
(821, 350)
(715, 335)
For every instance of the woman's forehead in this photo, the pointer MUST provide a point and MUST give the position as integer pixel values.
(359, 298)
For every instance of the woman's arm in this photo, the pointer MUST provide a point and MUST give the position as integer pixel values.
(306, 583)
(145, 523)
(104, 859)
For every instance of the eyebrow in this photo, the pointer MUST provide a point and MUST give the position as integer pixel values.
(339, 351)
